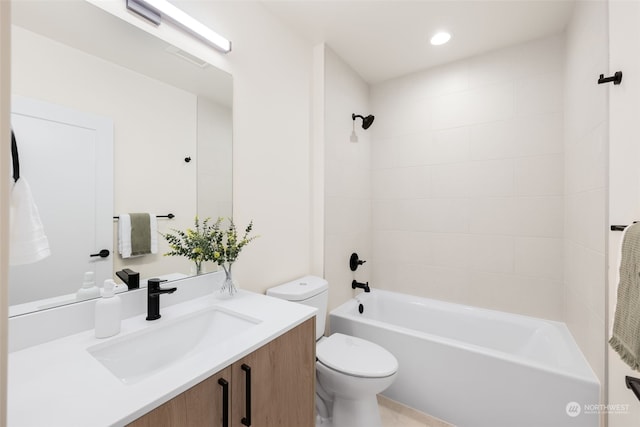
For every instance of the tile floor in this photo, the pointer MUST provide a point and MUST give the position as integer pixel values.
(395, 414)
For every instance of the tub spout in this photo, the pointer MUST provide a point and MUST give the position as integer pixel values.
(356, 284)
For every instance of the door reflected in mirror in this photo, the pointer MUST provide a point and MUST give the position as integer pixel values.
(164, 109)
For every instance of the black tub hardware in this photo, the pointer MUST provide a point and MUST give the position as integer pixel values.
(187, 159)
(225, 401)
(153, 297)
(170, 216)
(360, 308)
(129, 277)
(104, 253)
(616, 78)
(355, 284)
(620, 227)
(633, 384)
(355, 262)
(247, 398)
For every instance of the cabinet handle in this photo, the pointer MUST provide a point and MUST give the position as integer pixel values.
(247, 370)
(225, 401)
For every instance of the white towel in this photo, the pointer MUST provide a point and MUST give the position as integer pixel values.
(28, 241)
(124, 235)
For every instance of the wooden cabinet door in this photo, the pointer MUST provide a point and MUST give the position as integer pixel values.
(282, 384)
(201, 405)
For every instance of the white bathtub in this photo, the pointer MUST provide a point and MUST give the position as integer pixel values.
(474, 367)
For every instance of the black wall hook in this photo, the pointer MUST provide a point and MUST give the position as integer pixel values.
(616, 78)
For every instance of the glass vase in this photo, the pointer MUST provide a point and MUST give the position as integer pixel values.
(228, 286)
(197, 268)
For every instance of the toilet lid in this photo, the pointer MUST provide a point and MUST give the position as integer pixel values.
(355, 356)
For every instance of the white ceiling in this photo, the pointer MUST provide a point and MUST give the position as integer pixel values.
(383, 39)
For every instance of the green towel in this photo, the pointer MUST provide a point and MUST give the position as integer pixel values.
(140, 234)
(625, 338)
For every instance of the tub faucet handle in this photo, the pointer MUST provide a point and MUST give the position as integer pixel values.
(355, 262)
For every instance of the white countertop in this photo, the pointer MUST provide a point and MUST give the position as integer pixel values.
(59, 384)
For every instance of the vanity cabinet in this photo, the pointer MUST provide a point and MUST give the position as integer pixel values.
(272, 387)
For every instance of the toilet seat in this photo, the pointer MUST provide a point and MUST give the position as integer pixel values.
(356, 357)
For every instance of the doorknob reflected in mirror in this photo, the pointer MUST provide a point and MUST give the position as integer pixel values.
(102, 254)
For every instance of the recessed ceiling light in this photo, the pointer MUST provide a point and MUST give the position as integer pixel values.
(440, 38)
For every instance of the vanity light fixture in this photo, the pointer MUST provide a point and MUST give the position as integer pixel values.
(155, 10)
(440, 38)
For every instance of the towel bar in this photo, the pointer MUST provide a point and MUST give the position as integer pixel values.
(170, 216)
(633, 384)
(620, 227)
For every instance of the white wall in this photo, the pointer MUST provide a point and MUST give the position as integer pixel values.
(154, 130)
(467, 178)
(347, 178)
(586, 147)
(624, 173)
(272, 69)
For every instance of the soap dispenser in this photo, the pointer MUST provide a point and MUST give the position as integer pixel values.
(89, 289)
(108, 312)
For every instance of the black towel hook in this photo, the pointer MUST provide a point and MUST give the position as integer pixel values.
(14, 156)
(616, 78)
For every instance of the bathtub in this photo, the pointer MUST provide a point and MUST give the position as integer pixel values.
(474, 367)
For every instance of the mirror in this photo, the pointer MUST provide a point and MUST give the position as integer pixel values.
(172, 131)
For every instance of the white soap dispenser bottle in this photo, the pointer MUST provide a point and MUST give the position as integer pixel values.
(89, 289)
(108, 312)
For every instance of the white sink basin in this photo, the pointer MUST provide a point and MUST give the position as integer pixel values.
(138, 355)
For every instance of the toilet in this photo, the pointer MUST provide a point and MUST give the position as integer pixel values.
(350, 371)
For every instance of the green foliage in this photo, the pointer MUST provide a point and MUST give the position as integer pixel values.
(208, 242)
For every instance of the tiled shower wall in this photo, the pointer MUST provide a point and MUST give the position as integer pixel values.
(347, 178)
(586, 156)
(468, 181)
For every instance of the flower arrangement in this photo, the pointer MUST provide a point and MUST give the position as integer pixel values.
(193, 243)
(209, 242)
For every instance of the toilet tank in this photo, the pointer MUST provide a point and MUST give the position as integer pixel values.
(307, 290)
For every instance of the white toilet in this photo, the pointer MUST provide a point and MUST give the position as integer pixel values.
(350, 371)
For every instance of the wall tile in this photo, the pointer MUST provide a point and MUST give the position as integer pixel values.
(468, 180)
(539, 176)
(492, 254)
(540, 94)
(493, 216)
(450, 180)
(539, 216)
(450, 250)
(539, 257)
(493, 178)
(538, 134)
(401, 183)
(486, 104)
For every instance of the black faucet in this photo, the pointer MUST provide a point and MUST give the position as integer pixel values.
(364, 286)
(153, 297)
(129, 277)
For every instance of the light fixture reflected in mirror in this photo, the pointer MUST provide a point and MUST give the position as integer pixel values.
(155, 10)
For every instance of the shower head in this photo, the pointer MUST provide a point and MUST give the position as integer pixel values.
(366, 121)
